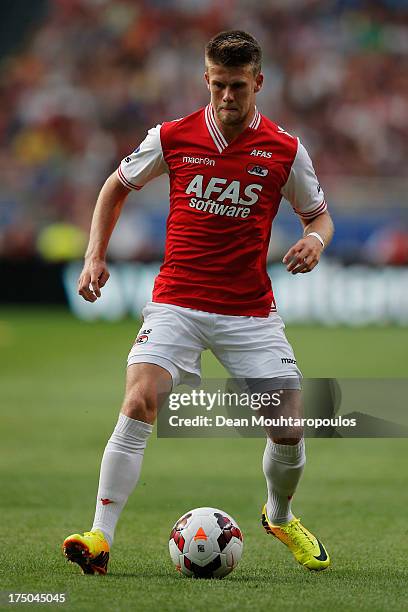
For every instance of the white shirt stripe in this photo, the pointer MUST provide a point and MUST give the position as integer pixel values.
(220, 136)
(256, 120)
(218, 143)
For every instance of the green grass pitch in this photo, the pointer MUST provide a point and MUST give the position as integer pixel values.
(61, 383)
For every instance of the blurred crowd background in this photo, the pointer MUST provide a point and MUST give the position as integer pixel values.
(81, 81)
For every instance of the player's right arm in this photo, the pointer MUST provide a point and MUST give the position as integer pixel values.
(107, 210)
(141, 166)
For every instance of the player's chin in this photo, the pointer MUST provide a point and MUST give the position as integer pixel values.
(230, 118)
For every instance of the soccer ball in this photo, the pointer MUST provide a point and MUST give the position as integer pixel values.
(206, 543)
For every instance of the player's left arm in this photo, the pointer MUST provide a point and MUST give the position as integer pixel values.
(305, 254)
(303, 190)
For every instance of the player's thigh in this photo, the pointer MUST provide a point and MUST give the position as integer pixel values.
(256, 348)
(147, 386)
(170, 337)
(256, 352)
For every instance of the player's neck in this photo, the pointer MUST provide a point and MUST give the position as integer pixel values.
(230, 132)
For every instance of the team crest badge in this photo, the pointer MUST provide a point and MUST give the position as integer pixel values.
(143, 337)
(257, 170)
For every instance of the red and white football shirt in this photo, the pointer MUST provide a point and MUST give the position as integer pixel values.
(223, 199)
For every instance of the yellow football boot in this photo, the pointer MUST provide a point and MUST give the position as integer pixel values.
(306, 548)
(90, 551)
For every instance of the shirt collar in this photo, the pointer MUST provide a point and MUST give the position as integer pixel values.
(215, 132)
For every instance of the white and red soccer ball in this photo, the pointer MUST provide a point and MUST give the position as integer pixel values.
(206, 543)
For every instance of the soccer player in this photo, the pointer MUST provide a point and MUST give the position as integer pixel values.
(228, 167)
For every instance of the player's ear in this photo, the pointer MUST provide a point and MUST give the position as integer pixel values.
(207, 79)
(258, 82)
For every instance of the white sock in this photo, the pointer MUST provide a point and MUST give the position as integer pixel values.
(120, 470)
(283, 466)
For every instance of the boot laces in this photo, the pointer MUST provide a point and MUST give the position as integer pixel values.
(298, 533)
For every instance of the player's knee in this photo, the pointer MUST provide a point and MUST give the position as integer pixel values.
(137, 406)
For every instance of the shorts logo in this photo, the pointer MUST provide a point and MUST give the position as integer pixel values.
(287, 360)
(257, 170)
(143, 336)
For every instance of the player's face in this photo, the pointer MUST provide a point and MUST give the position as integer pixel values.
(233, 91)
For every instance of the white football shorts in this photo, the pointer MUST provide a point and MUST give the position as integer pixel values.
(174, 337)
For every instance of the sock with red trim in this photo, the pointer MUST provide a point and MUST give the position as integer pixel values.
(283, 466)
(120, 471)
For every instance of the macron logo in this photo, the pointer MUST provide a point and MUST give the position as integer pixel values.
(206, 161)
(260, 153)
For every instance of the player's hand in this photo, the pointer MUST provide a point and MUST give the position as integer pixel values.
(93, 277)
(303, 256)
